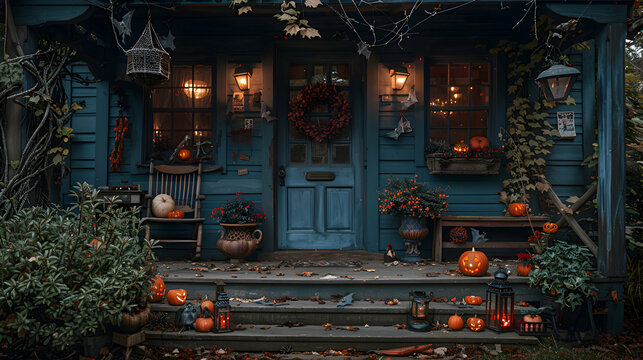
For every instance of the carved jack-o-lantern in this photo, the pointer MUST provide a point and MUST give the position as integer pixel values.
(475, 324)
(550, 228)
(523, 269)
(177, 297)
(517, 209)
(157, 290)
(473, 300)
(473, 263)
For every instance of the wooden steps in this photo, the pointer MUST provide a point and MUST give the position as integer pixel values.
(317, 338)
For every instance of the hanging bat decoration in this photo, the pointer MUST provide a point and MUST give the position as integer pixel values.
(186, 316)
(412, 99)
(124, 26)
(403, 127)
(362, 49)
(478, 237)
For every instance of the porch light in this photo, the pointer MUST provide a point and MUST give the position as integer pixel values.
(419, 311)
(398, 77)
(242, 76)
(222, 313)
(197, 89)
(500, 302)
(557, 81)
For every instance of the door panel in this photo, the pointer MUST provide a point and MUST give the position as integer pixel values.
(317, 211)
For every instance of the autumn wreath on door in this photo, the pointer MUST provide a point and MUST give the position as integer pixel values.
(312, 96)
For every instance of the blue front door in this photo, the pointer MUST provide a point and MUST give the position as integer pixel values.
(319, 183)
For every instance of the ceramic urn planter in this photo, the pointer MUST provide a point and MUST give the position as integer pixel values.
(238, 241)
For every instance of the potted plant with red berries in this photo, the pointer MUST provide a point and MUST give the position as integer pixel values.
(239, 218)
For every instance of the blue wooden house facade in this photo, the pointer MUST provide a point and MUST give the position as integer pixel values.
(269, 163)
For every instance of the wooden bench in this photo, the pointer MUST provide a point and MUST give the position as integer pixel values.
(483, 221)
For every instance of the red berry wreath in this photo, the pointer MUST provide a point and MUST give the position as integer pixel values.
(311, 96)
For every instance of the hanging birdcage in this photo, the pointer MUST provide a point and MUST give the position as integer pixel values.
(147, 62)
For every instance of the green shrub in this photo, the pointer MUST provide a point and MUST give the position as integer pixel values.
(238, 211)
(562, 270)
(67, 272)
(407, 197)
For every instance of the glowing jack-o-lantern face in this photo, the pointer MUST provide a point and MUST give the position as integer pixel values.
(473, 263)
(177, 297)
(550, 228)
(473, 300)
(475, 324)
(157, 290)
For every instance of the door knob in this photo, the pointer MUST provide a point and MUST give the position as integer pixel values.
(282, 175)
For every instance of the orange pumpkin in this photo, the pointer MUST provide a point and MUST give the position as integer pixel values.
(475, 324)
(517, 209)
(176, 214)
(204, 324)
(532, 318)
(478, 143)
(473, 300)
(184, 154)
(455, 322)
(473, 263)
(524, 269)
(157, 290)
(177, 297)
(207, 304)
(550, 228)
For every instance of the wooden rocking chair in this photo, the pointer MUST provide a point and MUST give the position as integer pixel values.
(183, 184)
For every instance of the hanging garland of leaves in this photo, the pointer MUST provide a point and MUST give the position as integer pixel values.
(314, 95)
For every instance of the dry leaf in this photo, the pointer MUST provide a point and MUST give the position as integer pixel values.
(309, 33)
(245, 9)
(292, 29)
(313, 3)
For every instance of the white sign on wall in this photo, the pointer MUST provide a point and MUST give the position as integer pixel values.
(566, 126)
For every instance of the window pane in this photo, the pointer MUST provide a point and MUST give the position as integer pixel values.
(319, 74)
(344, 133)
(439, 74)
(479, 119)
(201, 135)
(319, 153)
(297, 75)
(298, 153)
(478, 132)
(438, 135)
(203, 73)
(203, 121)
(161, 140)
(296, 134)
(293, 94)
(479, 96)
(161, 98)
(479, 74)
(162, 121)
(458, 119)
(178, 136)
(458, 96)
(183, 121)
(458, 136)
(339, 75)
(180, 75)
(459, 74)
(202, 97)
(438, 119)
(439, 96)
(182, 97)
(341, 154)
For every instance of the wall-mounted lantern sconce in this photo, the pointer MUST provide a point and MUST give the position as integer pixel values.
(242, 76)
(557, 81)
(398, 77)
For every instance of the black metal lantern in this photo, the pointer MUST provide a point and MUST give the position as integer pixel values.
(222, 313)
(242, 76)
(557, 81)
(398, 77)
(419, 311)
(500, 302)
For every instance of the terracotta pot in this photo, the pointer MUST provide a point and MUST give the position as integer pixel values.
(524, 269)
(239, 240)
(133, 322)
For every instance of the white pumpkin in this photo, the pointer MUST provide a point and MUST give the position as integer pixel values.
(162, 204)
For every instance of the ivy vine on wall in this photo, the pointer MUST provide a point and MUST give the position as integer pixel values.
(528, 136)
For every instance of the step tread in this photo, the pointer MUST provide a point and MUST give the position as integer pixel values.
(372, 335)
(304, 306)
